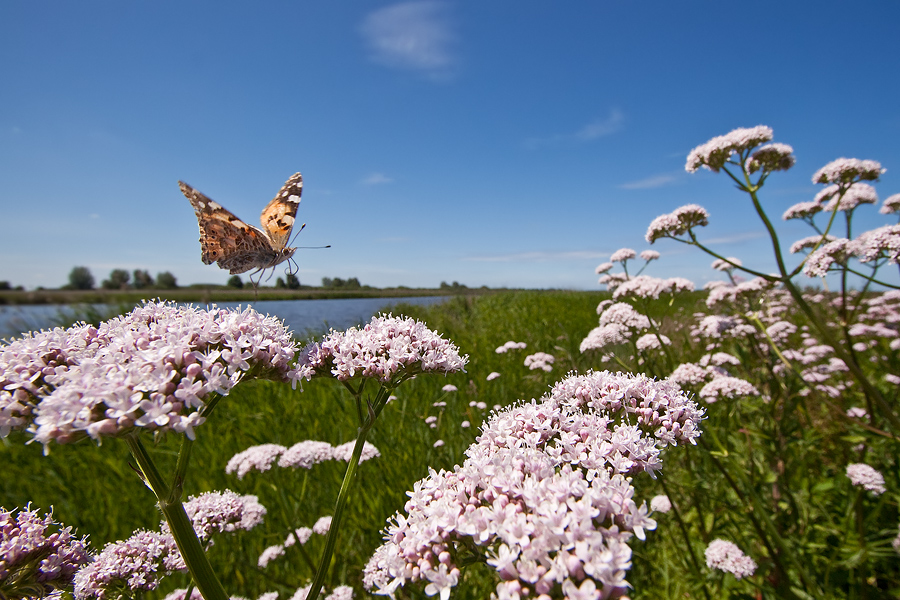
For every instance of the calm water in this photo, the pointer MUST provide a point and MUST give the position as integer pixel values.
(301, 316)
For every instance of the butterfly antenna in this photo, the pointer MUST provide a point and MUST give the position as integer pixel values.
(296, 233)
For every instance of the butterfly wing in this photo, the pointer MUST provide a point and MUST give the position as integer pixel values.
(225, 239)
(277, 217)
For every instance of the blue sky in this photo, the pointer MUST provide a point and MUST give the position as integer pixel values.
(503, 143)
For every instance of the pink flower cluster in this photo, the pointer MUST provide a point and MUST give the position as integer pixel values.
(848, 170)
(510, 345)
(644, 286)
(866, 477)
(389, 349)
(141, 561)
(152, 368)
(677, 222)
(545, 493)
(715, 153)
(38, 556)
(302, 455)
(726, 556)
(540, 360)
(300, 536)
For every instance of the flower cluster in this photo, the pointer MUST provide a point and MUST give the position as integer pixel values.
(511, 345)
(540, 360)
(302, 455)
(38, 556)
(715, 153)
(726, 556)
(153, 368)
(300, 536)
(622, 255)
(389, 349)
(848, 170)
(867, 477)
(771, 157)
(141, 561)
(544, 494)
(677, 222)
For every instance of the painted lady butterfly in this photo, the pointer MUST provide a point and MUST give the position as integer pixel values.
(237, 246)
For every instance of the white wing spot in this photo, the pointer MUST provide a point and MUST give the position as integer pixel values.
(293, 198)
(288, 220)
(215, 206)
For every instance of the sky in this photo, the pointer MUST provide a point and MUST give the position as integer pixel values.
(503, 143)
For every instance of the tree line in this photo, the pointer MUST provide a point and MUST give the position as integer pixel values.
(81, 278)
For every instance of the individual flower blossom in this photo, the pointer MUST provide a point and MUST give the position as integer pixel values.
(438, 444)
(603, 268)
(439, 404)
(677, 222)
(661, 504)
(603, 305)
(154, 368)
(38, 556)
(890, 205)
(544, 493)
(341, 592)
(651, 341)
(771, 157)
(344, 452)
(322, 525)
(857, 412)
(431, 422)
(689, 374)
(780, 331)
(622, 254)
(802, 210)
(715, 153)
(892, 379)
(449, 388)
(649, 255)
(624, 314)
(605, 335)
(301, 593)
(853, 196)
(492, 375)
(305, 454)
(847, 170)
(727, 264)
(255, 457)
(810, 242)
(868, 478)
(612, 280)
(728, 388)
(389, 349)
(719, 359)
(510, 345)
(540, 360)
(726, 556)
(465, 424)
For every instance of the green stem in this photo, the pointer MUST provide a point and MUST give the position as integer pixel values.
(182, 529)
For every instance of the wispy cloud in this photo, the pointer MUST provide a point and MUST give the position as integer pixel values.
(648, 183)
(417, 36)
(538, 256)
(736, 238)
(597, 128)
(376, 178)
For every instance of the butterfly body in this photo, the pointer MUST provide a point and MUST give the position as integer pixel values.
(238, 247)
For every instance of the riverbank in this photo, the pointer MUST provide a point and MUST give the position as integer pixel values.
(207, 294)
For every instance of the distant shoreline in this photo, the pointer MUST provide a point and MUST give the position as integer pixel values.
(207, 294)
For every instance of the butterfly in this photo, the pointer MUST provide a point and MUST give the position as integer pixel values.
(239, 247)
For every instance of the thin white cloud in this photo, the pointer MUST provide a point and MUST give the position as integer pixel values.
(539, 256)
(377, 178)
(417, 36)
(596, 129)
(648, 183)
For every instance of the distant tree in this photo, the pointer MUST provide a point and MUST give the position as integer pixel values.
(445, 285)
(353, 283)
(337, 282)
(80, 278)
(279, 283)
(235, 282)
(166, 281)
(292, 282)
(326, 282)
(118, 280)
(142, 280)
(4, 285)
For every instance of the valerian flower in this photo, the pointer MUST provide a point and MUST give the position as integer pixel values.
(154, 368)
(715, 153)
(726, 556)
(677, 222)
(848, 170)
(866, 477)
(389, 349)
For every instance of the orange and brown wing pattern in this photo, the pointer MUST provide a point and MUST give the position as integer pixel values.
(277, 217)
(224, 238)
